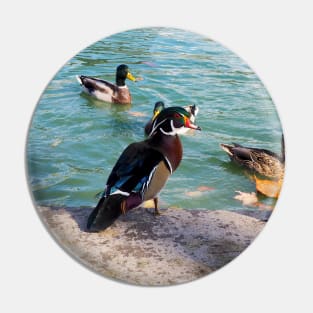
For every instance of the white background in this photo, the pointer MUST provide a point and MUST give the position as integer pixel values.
(274, 38)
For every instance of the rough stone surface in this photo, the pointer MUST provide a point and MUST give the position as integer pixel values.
(140, 248)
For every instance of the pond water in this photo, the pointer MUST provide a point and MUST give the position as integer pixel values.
(74, 140)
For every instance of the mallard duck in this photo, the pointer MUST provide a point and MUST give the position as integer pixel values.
(106, 91)
(159, 106)
(262, 161)
(142, 169)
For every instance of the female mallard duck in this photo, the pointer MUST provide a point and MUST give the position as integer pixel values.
(261, 161)
(106, 91)
(142, 169)
(159, 106)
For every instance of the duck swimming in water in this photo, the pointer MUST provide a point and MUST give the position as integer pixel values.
(159, 106)
(142, 169)
(261, 161)
(106, 91)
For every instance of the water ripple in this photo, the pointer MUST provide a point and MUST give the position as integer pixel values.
(75, 140)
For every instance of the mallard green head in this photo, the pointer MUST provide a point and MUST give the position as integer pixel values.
(158, 107)
(122, 72)
(172, 121)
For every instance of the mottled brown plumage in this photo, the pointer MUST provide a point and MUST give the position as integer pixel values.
(262, 161)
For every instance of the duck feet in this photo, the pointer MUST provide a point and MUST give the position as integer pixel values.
(123, 207)
(156, 209)
(155, 212)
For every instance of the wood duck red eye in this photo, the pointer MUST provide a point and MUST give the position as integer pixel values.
(178, 120)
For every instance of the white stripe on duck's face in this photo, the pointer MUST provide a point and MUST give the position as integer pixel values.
(172, 121)
(175, 130)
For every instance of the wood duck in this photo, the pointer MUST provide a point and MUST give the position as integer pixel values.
(159, 106)
(142, 169)
(106, 91)
(262, 161)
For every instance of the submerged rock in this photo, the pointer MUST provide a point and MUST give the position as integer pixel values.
(140, 248)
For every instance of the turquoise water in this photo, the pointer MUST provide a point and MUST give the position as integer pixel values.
(74, 140)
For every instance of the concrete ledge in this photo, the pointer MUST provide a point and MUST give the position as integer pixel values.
(178, 246)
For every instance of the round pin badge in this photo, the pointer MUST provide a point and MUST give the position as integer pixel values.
(155, 156)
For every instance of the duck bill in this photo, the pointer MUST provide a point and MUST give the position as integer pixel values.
(189, 124)
(155, 114)
(131, 77)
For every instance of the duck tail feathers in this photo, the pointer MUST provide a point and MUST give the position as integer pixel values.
(94, 213)
(78, 77)
(106, 212)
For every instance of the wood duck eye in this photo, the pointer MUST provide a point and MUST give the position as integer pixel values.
(178, 120)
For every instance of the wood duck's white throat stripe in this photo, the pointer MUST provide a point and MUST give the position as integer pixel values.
(154, 127)
(174, 130)
(172, 133)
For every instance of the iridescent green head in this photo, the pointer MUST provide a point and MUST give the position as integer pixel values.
(172, 121)
(122, 72)
(158, 107)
